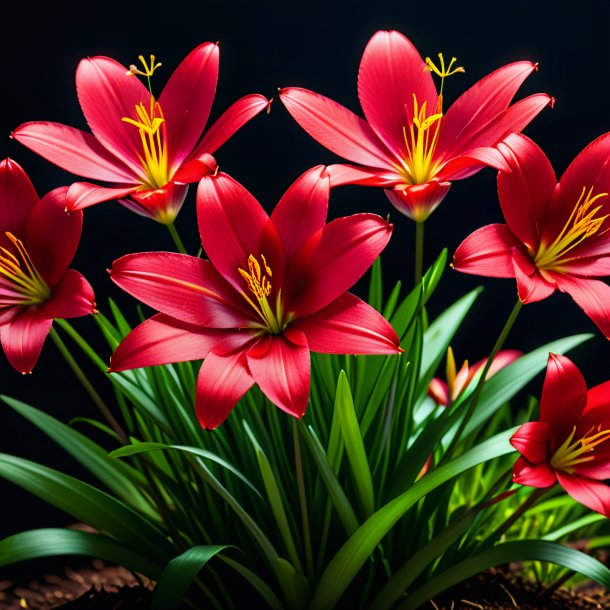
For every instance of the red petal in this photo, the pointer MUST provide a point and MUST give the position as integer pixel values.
(418, 201)
(302, 210)
(503, 358)
(348, 326)
(184, 287)
(564, 395)
(222, 381)
(72, 297)
(532, 441)
(82, 195)
(391, 73)
(17, 199)
(480, 104)
(162, 204)
(348, 247)
(541, 475)
(336, 127)
(471, 162)
(23, 337)
(531, 285)
(439, 392)
(163, 340)
(593, 494)
(488, 252)
(53, 235)
(186, 100)
(230, 121)
(593, 296)
(107, 94)
(349, 174)
(74, 150)
(195, 170)
(280, 366)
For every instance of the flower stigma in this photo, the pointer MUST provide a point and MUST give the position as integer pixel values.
(571, 453)
(20, 282)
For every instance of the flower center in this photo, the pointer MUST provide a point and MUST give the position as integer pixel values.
(584, 222)
(20, 282)
(571, 453)
(257, 280)
(151, 126)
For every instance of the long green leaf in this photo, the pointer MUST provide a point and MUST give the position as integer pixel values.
(350, 558)
(179, 574)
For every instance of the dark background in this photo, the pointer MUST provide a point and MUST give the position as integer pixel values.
(265, 45)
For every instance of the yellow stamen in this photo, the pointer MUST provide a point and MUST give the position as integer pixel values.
(570, 454)
(584, 222)
(148, 70)
(19, 279)
(259, 285)
(443, 72)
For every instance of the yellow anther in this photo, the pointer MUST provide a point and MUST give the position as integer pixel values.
(570, 453)
(443, 71)
(451, 370)
(148, 71)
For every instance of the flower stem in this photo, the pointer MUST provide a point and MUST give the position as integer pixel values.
(474, 399)
(419, 251)
(177, 241)
(298, 462)
(97, 399)
(527, 504)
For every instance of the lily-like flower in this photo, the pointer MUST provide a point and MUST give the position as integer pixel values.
(445, 393)
(408, 144)
(556, 234)
(38, 240)
(570, 445)
(273, 290)
(147, 149)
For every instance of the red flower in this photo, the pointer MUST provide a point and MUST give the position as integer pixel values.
(147, 149)
(556, 234)
(38, 241)
(408, 144)
(273, 290)
(445, 393)
(569, 445)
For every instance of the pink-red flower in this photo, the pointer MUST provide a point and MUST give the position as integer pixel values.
(273, 289)
(408, 144)
(38, 240)
(148, 150)
(445, 393)
(556, 234)
(570, 445)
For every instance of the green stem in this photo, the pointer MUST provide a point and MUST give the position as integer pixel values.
(474, 399)
(419, 251)
(97, 399)
(303, 498)
(177, 241)
(527, 504)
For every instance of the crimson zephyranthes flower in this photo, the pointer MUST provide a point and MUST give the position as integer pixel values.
(147, 149)
(445, 393)
(570, 445)
(408, 144)
(273, 290)
(38, 240)
(556, 234)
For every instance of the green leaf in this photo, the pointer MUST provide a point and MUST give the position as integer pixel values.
(179, 574)
(50, 542)
(376, 285)
(521, 550)
(354, 446)
(350, 558)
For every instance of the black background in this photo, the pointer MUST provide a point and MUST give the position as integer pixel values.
(266, 45)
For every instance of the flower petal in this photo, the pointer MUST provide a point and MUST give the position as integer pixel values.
(336, 127)
(532, 441)
(487, 252)
(347, 248)
(162, 204)
(439, 392)
(187, 98)
(348, 326)
(230, 121)
(222, 381)
(540, 475)
(74, 150)
(302, 209)
(82, 195)
(341, 174)
(72, 297)
(184, 287)
(280, 365)
(17, 199)
(391, 73)
(53, 235)
(23, 337)
(107, 93)
(593, 494)
(195, 170)
(531, 285)
(418, 201)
